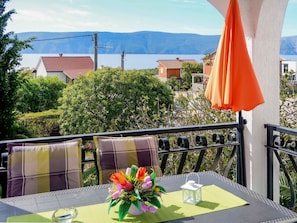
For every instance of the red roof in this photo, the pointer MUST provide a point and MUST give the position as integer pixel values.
(175, 64)
(72, 66)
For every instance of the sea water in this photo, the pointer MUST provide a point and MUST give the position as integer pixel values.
(130, 61)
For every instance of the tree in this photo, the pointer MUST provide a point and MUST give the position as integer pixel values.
(10, 48)
(107, 99)
(187, 70)
(173, 83)
(288, 85)
(39, 94)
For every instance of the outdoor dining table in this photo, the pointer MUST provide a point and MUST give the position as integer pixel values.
(256, 209)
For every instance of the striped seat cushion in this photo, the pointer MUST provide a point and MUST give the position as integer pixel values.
(118, 153)
(36, 168)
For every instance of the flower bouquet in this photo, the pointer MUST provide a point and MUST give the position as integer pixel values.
(135, 187)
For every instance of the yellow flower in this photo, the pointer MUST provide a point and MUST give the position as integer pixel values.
(157, 189)
(133, 198)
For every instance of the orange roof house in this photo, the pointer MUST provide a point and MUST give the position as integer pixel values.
(67, 68)
(171, 68)
(209, 59)
(208, 62)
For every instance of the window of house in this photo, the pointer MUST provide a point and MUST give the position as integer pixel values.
(286, 68)
(198, 79)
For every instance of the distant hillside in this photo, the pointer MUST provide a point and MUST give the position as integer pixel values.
(145, 42)
(115, 43)
(289, 45)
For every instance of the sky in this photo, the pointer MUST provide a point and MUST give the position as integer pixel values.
(175, 16)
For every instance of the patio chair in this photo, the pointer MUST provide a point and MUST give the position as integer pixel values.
(118, 153)
(37, 168)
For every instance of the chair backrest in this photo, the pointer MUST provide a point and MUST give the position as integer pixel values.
(37, 168)
(118, 153)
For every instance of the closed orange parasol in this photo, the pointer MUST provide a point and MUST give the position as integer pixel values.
(232, 83)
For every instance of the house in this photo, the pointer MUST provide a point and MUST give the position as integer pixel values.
(172, 68)
(288, 67)
(67, 68)
(208, 62)
(199, 80)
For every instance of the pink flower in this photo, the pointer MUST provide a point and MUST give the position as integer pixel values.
(118, 187)
(147, 185)
(110, 190)
(147, 179)
(152, 209)
(116, 194)
(144, 207)
(128, 171)
(147, 208)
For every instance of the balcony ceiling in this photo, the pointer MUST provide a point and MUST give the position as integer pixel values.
(250, 11)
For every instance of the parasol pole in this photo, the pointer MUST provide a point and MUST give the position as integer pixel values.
(241, 173)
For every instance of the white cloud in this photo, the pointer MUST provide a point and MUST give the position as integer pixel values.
(33, 15)
(78, 12)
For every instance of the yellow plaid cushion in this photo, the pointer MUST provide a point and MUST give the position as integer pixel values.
(36, 168)
(118, 153)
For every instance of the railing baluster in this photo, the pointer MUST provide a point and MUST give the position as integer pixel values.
(217, 138)
(230, 161)
(231, 138)
(183, 142)
(200, 141)
(287, 175)
(164, 146)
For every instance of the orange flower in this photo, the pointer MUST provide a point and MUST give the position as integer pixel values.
(140, 175)
(118, 177)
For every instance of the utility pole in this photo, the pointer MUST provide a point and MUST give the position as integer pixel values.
(122, 60)
(95, 51)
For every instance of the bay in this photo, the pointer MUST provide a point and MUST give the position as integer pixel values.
(131, 61)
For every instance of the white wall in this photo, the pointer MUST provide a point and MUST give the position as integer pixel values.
(60, 75)
(40, 70)
(291, 66)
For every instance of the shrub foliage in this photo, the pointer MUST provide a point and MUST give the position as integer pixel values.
(106, 99)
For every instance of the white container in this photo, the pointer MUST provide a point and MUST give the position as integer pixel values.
(192, 191)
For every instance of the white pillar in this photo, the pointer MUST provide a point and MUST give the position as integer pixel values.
(262, 21)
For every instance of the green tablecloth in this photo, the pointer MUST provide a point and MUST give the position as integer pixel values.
(214, 199)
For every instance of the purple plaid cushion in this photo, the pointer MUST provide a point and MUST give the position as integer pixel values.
(36, 168)
(118, 153)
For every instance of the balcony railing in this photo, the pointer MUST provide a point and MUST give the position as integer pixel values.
(181, 149)
(216, 147)
(282, 145)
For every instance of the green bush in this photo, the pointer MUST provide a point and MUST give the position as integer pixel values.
(39, 94)
(174, 83)
(41, 124)
(106, 99)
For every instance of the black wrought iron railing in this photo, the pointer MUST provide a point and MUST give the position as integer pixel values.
(216, 147)
(282, 145)
(181, 149)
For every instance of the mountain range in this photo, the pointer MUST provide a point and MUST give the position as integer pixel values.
(144, 42)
